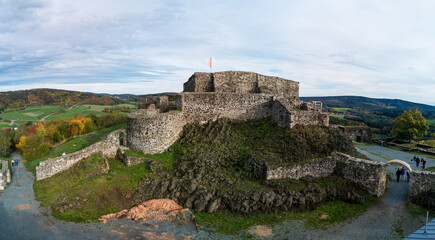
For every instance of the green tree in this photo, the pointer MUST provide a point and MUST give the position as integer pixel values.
(5, 143)
(410, 125)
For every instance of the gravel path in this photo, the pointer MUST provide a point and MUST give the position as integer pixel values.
(373, 152)
(22, 218)
(389, 218)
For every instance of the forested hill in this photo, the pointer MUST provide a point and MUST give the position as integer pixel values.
(371, 104)
(44, 96)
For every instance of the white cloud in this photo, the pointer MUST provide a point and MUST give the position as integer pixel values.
(368, 48)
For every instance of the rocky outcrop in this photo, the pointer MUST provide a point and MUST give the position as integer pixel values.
(270, 197)
(154, 210)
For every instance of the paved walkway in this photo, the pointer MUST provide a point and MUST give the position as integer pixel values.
(374, 152)
(21, 218)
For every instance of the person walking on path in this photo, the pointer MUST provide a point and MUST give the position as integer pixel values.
(417, 161)
(402, 172)
(423, 163)
(398, 173)
(407, 176)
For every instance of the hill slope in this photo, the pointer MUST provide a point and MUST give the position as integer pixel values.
(44, 96)
(376, 113)
(373, 104)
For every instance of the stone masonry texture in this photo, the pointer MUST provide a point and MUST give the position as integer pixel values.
(108, 147)
(242, 82)
(210, 96)
(422, 189)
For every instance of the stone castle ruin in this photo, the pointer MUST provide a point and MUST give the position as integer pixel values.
(240, 96)
(210, 96)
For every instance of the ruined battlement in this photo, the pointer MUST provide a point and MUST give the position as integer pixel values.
(242, 82)
(210, 96)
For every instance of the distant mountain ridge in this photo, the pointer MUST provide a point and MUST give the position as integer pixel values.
(374, 104)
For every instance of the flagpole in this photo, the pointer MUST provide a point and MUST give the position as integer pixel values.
(211, 66)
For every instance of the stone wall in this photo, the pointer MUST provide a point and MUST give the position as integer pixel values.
(281, 113)
(5, 174)
(210, 106)
(199, 82)
(153, 133)
(309, 118)
(316, 168)
(422, 189)
(359, 134)
(130, 160)
(107, 147)
(367, 174)
(242, 82)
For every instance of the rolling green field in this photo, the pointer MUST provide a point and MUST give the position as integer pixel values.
(431, 121)
(35, 113)
(341, 109)
(32, 113)
(78, 110)
(337, 116)
(87, 109)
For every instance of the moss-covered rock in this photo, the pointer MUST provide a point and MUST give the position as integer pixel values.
(213, 167)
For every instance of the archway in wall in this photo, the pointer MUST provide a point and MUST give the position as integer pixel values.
(398, 163)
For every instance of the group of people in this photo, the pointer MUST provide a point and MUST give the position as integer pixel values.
(417, 161)
(401, 173)
(14, 162)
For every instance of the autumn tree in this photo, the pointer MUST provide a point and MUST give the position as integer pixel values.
(410, 125)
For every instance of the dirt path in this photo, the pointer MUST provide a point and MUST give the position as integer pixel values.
(21, 218)
(46, 116)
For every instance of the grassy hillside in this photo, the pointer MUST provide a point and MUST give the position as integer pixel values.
(31, 113)
(219, 155)
(74, 144)
(372, 104)
(375, 113)
(51, 97)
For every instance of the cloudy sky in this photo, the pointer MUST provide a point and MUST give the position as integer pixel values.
(383, 49)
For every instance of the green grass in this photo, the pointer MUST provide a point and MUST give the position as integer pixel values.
(77, 110)
(336, 116)
(73, 144)
(83, 193)
(431, 121)
(32, 113)
(431, 169)
(167, 159)
(86, 110)
(232, 223)
(341, 109)
(391, 107)
(379, 136)
(417, 211)
(6, 124)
